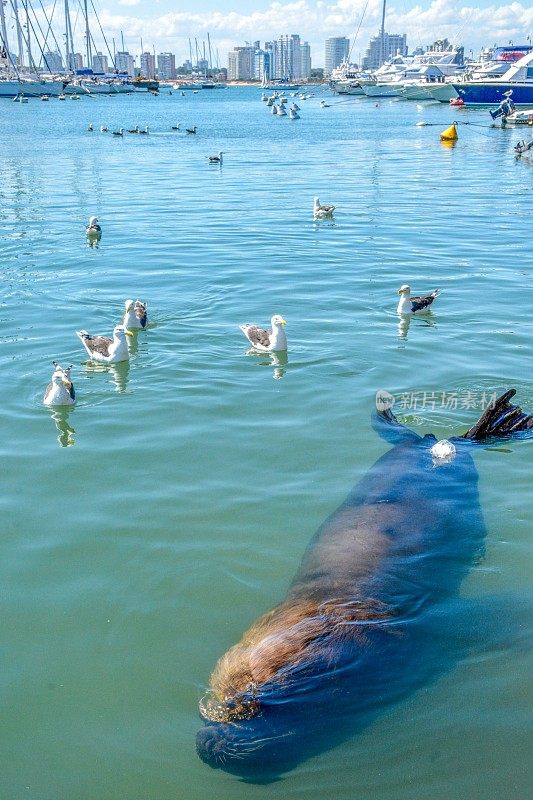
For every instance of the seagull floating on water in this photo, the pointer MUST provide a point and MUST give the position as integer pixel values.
(216, 159)
(273, 341)
(120, 132)
(135, 316)
(134, 130)
(322, 211)
(104, 129)
(60, 391)
(176, 127)
(145, 132)
(105, 349)
(90, 128)
(190, 130)
(414, 305)
(93, 228)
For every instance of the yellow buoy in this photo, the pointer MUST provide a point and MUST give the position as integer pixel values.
(450, 134)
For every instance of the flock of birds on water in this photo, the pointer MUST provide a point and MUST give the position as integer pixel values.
(114, 349)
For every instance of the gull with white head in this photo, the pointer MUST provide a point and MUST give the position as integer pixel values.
(272, 341)
(414, 305)
(60, 390)
(93, 229)
(105, 349)
(135, 316)
(322, 211)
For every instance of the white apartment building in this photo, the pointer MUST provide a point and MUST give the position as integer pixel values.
(166, 66)
(241, 63)
(337, 49)
(100, 64)
(124, 63)
(393, 44)
(147, 65)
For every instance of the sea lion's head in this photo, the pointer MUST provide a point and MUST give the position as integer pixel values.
(261, 688)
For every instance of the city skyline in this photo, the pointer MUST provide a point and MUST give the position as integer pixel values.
(478, 25)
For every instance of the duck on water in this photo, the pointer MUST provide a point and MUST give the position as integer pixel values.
(372, 613)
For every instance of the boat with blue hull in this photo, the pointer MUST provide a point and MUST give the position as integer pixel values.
(518, 80)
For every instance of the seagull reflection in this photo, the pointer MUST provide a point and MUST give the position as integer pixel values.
(325, 222)
(93, 242)
(405, 322)
(277, 360)
(119, 373)
(403, 325)
(60, 415)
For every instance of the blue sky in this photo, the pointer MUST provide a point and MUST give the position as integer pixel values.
(167, 25)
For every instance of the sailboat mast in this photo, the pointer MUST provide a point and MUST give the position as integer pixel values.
(87, 36)
(382, 36)
(210, 56)
(69, 46)
(5, 46)
(19, 33)
(28, 42)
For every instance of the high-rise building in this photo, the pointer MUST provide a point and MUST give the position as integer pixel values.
(241, 63)
(166, 66)
(305, 60)
(76, 61)
(147, 65)
(100, 64)
(53, 61)
(337, 50)
(124, 63)
(378, 52)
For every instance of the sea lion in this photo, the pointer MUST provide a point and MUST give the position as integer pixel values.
(362, 622)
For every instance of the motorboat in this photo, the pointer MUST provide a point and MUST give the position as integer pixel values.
(522, 116)
(518, 79)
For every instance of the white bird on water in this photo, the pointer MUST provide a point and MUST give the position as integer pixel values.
(272, 341)
(105, 349)
(414, 305)
(322, 211)
(93, 229)
(135, 315)
(216, 159)
(60, 390)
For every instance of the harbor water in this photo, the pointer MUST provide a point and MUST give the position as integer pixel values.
(144, 530)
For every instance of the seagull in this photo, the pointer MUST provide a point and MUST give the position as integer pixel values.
(216, 159)
(90, 128)
(105, 349)
(134, 130)
(323, 104)
(60, 391)
(176, 127)
(135, 316)
(93, 228)
(145, 132)
(273, 341)
(120, 132)
(104, 128)
(414, 305)
(190, 130)
(320, 212)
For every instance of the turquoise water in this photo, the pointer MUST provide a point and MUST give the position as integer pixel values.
(145, 530)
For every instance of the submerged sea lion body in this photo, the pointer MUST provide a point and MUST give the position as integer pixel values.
(360, 624)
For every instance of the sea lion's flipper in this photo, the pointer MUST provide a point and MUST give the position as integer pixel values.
(501, 418)
(387, 426)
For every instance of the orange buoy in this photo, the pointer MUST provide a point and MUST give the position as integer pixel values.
(450, 134)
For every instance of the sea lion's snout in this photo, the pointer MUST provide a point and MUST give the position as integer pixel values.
(211, 746)
(242, 705)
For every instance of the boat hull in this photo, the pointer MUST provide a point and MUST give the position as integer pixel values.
(30, 88)
(492, 93)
